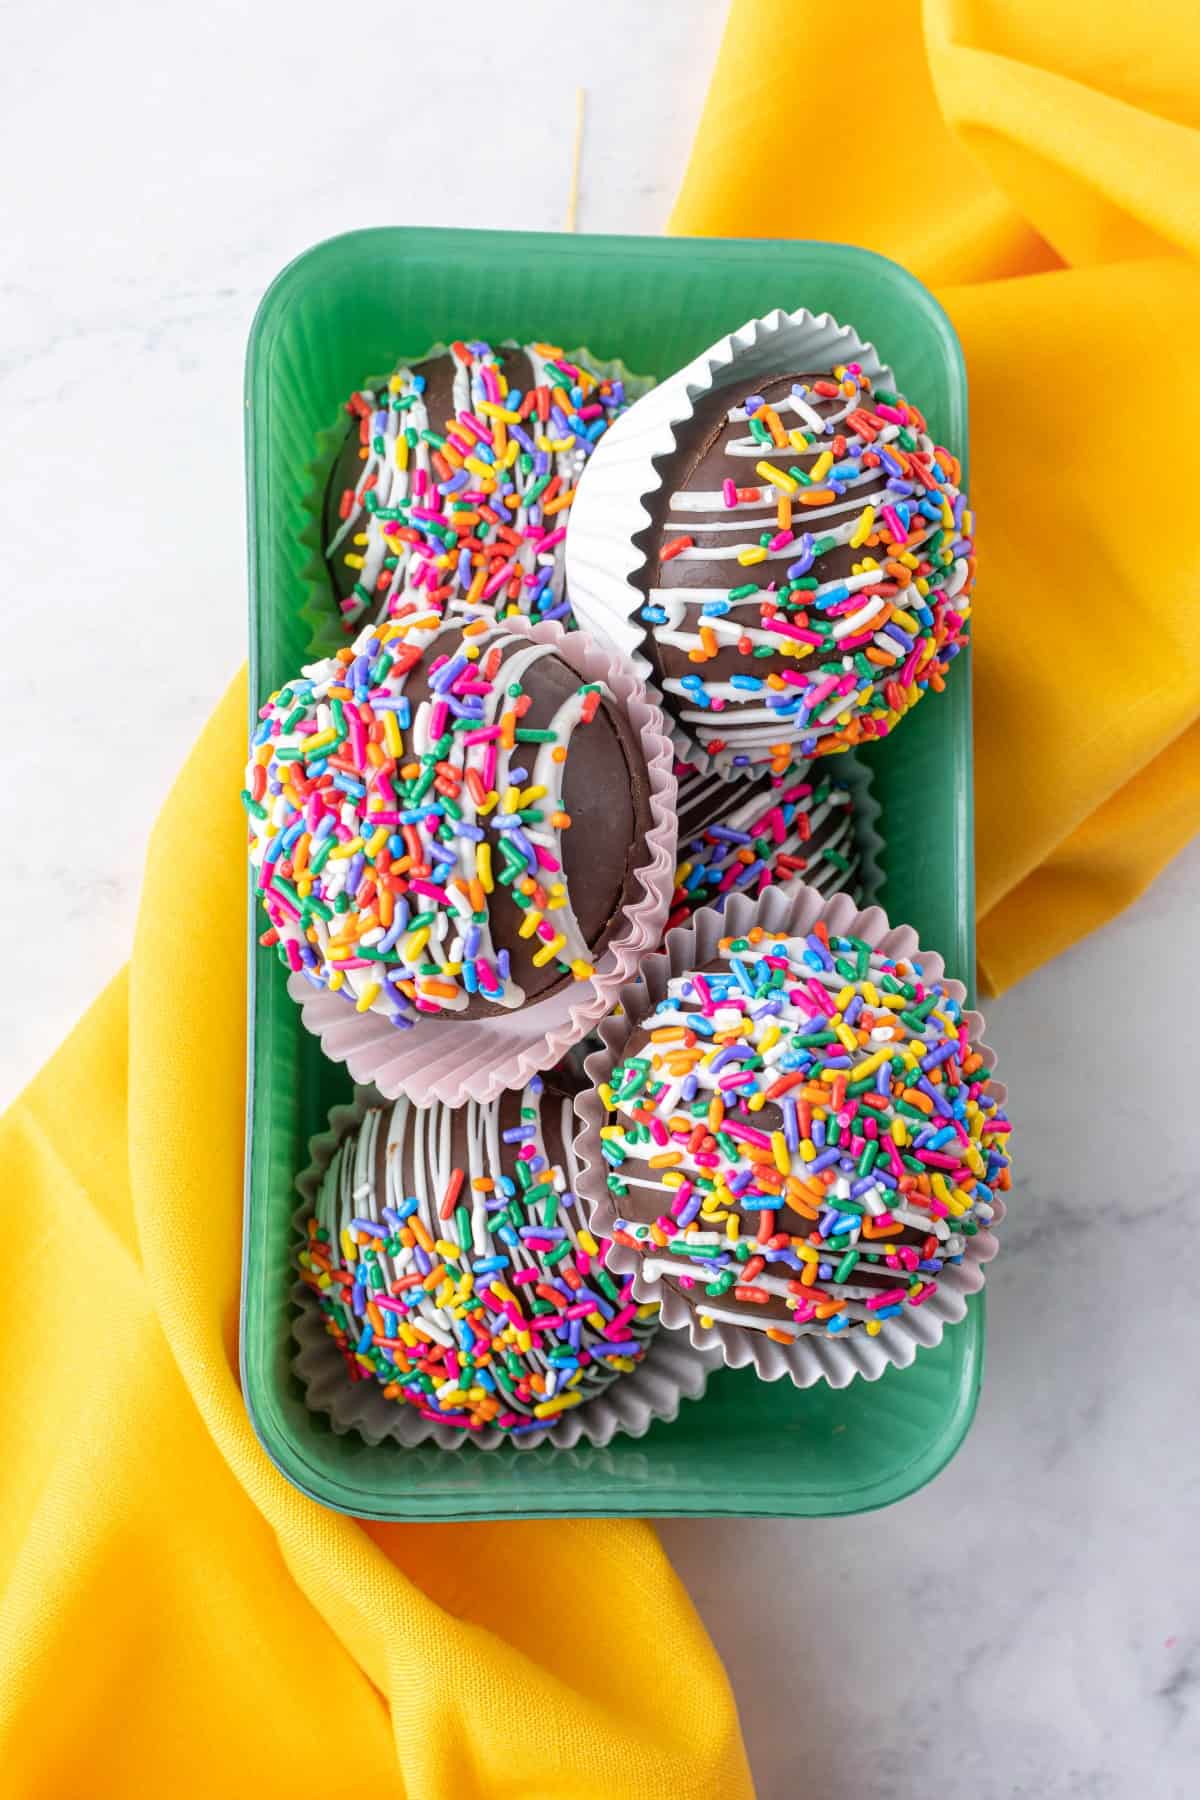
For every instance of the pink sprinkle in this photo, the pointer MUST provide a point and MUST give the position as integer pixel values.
(780, 539)
(292, 952)
(701, 987)
(891, 413)
(729, 491)
(483, 736)
(747, 1133)
(891, 518)
(889, 1297)
(498, 581)
(437, 719)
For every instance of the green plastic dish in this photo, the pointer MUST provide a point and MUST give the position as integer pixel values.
(352, 305)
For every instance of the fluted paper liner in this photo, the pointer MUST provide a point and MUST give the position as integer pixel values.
(454, 1060)
(612, 506)
(318, 605)
(671, 1371)
(813, 1358)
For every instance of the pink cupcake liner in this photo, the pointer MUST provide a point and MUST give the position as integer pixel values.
(810, 1359)
(455, 1060)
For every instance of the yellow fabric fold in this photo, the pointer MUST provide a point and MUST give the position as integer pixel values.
(1039, 168)
(175, 1616)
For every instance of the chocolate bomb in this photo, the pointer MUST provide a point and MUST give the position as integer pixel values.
(801, 1137)
(452, 487)
(807, 567)
(445, 822)
(524, 1323)
(743, 836)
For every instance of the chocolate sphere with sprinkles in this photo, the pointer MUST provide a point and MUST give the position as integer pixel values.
(802, 1136)
(449, 1259)
(454, 481)
(444, 819)
(808, 568)
(742, 837)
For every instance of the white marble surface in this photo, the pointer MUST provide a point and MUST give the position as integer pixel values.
(1028, 1626)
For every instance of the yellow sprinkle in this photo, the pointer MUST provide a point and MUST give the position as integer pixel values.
(588, 1244)
(353, 561)
(348, 849)
(846, 1036)
(391, 735)
(349, 1247)
(797, 439)
(779, 1150)
(414, 943)
(756, 554)
(821, 467)
(786, 484)
(548, 951)
(529, 923)
(367, 997)
(583, 971)
(483, 866)
(377, 841)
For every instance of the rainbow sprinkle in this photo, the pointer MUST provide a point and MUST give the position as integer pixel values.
(829, 660)
(469, 1286)
(470, 512)
(806, 1134)
(745, 836)
(381, 829)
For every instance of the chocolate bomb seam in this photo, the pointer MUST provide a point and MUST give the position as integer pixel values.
(387, 826)
(447, 1257)
(826, 1090)
(467, 510)
(876, 631)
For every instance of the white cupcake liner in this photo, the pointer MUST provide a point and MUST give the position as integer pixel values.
(455, 1060)
(813, 1358)
(671, 1371)
(612, 507)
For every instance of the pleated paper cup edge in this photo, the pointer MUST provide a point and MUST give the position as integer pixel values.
(809, 1359)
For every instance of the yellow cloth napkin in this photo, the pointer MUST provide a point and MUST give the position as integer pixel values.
(1038, 166)
(174, 1617)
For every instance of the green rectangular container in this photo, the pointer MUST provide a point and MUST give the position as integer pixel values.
(353, 306)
